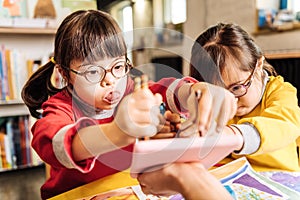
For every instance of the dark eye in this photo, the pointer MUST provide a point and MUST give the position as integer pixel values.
(118, 67)
(235, 88)
(93, 70)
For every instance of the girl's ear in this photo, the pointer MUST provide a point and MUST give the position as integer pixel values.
(61, 72)
(64, 78)
(261, 61)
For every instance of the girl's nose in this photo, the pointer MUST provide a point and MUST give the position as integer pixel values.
(108, 80)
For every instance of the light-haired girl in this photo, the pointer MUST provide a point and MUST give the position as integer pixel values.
(268, 115)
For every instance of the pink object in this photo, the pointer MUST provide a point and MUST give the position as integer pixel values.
(151, 155)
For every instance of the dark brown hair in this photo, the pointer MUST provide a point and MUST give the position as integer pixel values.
(84, 35)
(219, 43)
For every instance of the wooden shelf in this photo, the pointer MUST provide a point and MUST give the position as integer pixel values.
(23, 167)
(294, 27)
(13, 108)
(38, 31)
(283, 54)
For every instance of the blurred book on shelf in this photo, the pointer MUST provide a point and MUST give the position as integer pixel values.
(15, 69)
(15, 140)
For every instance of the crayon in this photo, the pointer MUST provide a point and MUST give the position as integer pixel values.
(137, 83)
(144, 80)
(141, 83)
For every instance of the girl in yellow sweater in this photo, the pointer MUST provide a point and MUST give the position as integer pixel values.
(268, 116)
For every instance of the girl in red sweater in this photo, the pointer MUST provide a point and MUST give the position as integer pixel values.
(87, 128)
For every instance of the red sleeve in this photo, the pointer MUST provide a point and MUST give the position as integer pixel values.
(161, 86)
(168, 88)
(53, 134)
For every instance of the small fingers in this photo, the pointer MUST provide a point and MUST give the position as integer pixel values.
(218, 112)
(204, 111)
(146, 109)
(142, 181)
(144, 131)
(164, 128)
(227, 111)
(158, 99)
(191, 131)
(172, 117)
(144, 117)
(216, 107)
(143, 101)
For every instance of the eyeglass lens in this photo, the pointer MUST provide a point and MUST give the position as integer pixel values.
(238, 90)
(95, 74)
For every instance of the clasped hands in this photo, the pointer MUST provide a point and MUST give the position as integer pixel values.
(138, 114)
(209, 106)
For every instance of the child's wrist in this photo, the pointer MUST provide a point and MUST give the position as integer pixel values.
(231, 128)
(123, 136)
(238, 133)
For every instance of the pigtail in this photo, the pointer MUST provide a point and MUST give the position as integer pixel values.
(38, 89)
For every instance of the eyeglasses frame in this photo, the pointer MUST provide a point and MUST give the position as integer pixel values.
(247, 83)
(128, 63)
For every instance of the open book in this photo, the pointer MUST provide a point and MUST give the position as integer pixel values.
(238, 177)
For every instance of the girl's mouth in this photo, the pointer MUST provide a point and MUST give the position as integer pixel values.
(112, 97)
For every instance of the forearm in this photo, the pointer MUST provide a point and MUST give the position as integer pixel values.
(251, 138)
(208, 188)
(98, 139)
(198, 183)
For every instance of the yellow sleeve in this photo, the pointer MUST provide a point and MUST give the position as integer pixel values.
(277, 118)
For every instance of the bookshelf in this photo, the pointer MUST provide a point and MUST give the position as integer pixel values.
(13, 108)
(30, 31)
(28, 44)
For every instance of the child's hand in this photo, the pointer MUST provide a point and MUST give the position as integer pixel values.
(215, 104)
(138, 114)
(169, 126)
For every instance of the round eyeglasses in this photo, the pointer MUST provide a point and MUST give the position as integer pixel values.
(96, 73)
(239, 90)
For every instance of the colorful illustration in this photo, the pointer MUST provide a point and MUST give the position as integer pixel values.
(249, 184)
(13, 8)
(238, 177)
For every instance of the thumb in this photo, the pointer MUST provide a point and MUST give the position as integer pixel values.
(158, 99)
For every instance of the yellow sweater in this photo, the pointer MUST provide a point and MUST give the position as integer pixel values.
(277, 119)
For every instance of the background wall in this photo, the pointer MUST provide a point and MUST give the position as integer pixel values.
(200, 15)
(204, 13)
